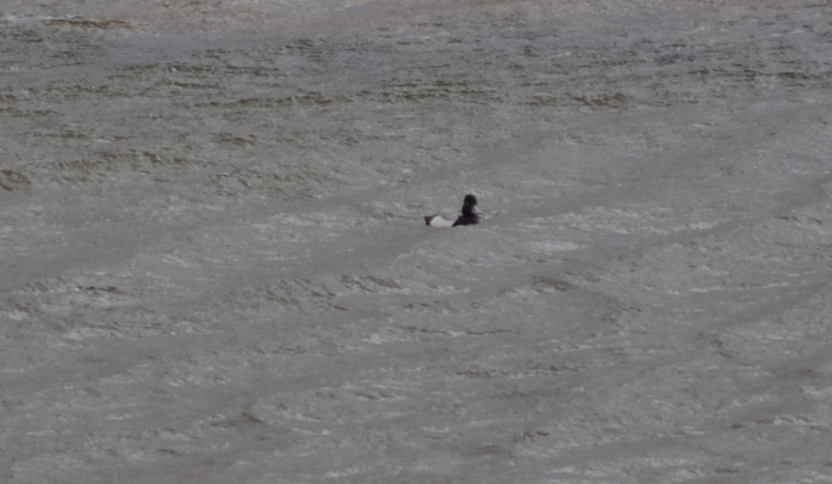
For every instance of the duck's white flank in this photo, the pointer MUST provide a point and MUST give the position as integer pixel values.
(438, 221)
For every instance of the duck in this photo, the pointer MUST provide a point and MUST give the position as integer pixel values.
(470, 215)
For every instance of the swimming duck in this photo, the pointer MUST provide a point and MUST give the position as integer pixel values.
(470, 215)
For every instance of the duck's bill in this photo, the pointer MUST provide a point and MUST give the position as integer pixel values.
(475, 210)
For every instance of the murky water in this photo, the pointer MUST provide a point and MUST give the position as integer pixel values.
(214, 266)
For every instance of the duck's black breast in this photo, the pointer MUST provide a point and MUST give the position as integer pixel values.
(467, 220)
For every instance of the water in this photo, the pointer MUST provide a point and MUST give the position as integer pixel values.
(215, 268)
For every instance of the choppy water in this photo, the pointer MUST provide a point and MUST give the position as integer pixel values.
(214, 267)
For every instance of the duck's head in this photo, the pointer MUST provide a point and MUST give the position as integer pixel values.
(469, 206)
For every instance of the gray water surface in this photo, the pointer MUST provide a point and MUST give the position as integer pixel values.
(214, 267)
